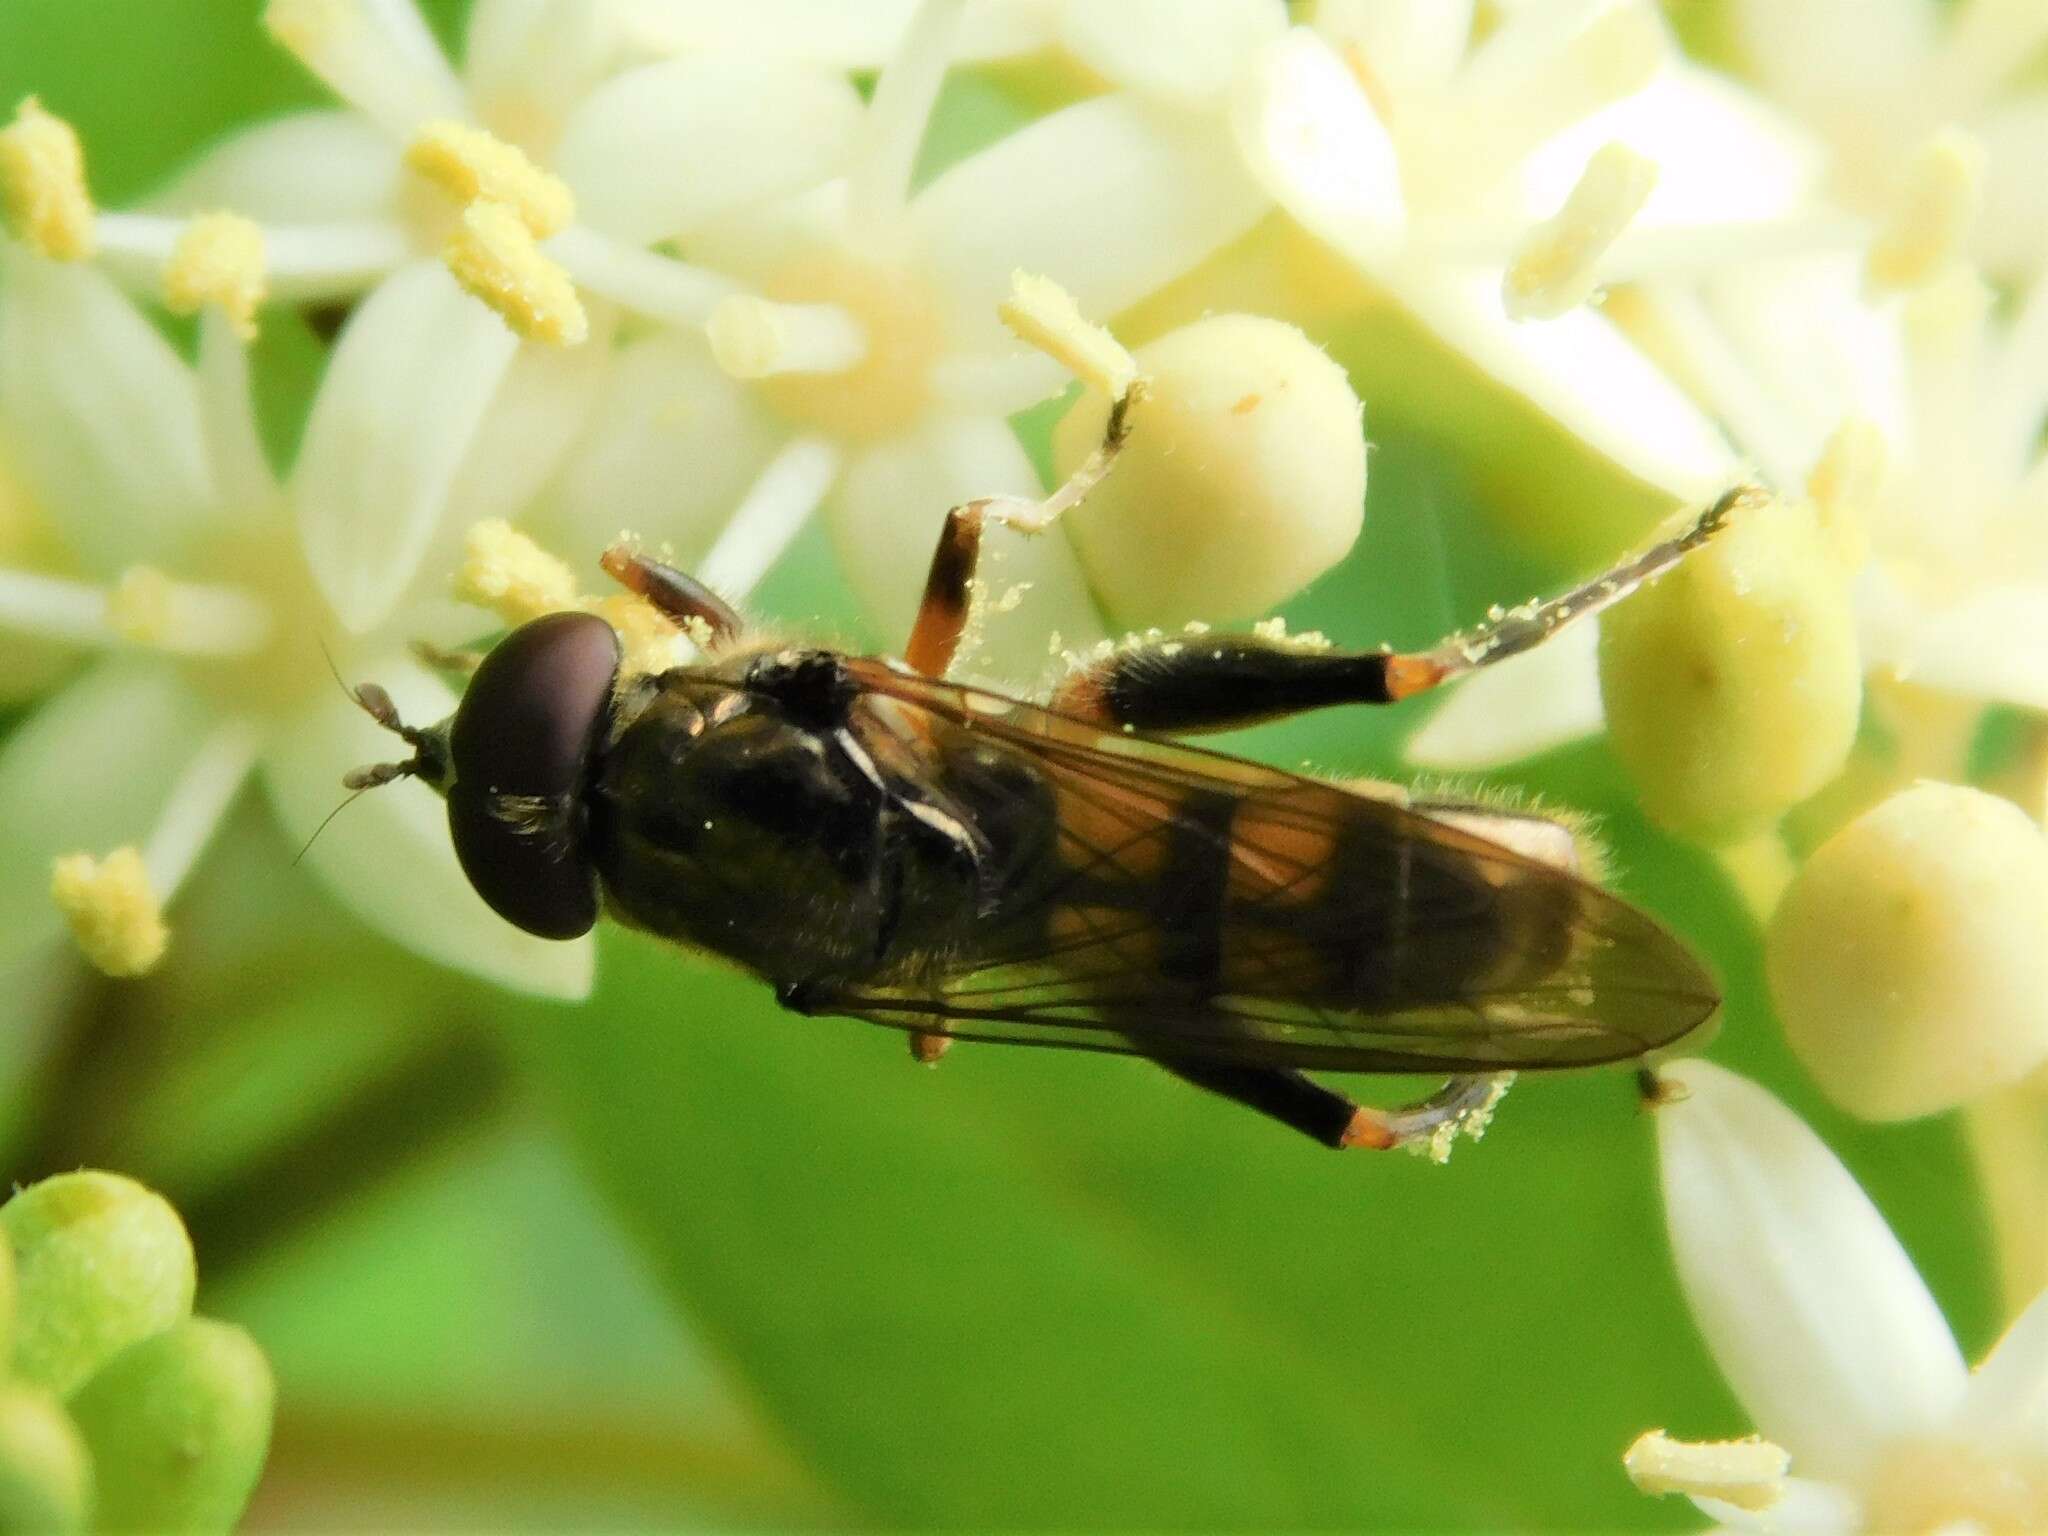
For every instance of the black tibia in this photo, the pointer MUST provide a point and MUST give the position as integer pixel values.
(1289, 1097)
(672, 593)
(942, 615)
(1214, 682)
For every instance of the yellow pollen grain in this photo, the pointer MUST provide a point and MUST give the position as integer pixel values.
(139, 606)
(505, 571)
(494, 256)
(1939, 194)
(647, 639)
(1042, 314)
(1556, 269)
(42, 184)
(219, 260)
(472, 163)
(1748, 1473)
(113, 914)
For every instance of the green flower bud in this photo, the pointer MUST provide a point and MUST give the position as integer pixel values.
(1907, 958)
(100, 1262)
(1732, 686)
(1243, 477)
(178, 1425)
(45, 1474)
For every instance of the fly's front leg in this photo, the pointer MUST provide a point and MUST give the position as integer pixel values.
(681, 598)
(1208, 682)
(1329, 1117)
(949, 584)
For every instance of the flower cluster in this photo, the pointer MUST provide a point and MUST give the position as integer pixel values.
(119, 1410)
(698, 271)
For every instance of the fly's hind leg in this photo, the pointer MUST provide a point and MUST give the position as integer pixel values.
(1206, 682)
(1324, 1115)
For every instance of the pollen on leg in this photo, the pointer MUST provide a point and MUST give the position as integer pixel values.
(113, 914)
(42, 184)
(1748, 1473)
(473, 163)
(1042, 314)
(494, 256)
(507, 572)
(219, 260)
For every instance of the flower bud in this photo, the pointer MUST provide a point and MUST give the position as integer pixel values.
(45, 1474)
(1243, 477)
(178, 1426)
(100, 1262)
(1733, 686)
(1909, 956)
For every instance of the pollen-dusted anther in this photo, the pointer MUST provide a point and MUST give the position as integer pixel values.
(472, 163)
(1042, 314)
(42, 184)
(494, 256)
(1932, 214)
(650, 643)
(1748, 1473)
(507, 572)
(755, 338)
(219, 260)
(113, 914)
(1556, 269)
(1844, 484)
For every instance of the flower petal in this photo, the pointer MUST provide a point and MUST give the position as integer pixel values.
(671, 448)
(401, 404)
(1527, 704)
(71, 779)
(306, 168)
(2011, 237)
(885, 519)
(1827, 58)
(389, 860)
(662, 148)
(1110, 198)
(1814, 1313)
(1989, 646)
(102, 415)
(1412, 46)
(1185, 51)
(828, 32)
(1805, 1508)
(527, 63)
(2005, 1406)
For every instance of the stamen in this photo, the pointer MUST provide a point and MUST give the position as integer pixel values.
(1555, 271)
(754, 338)
(782, 497)
(908, 89)
(1042, 314)
(470, 163)
(146, 607)
(651, 643)
(113, 915)
(657, 287)
(218, 261)
(227, 418)
(1844, 485)
(52, 608)
(493, 256)
(1750, 1473)
(42, 184)
(197, 803)
(508, 573)
(1932, 215)
(377, 55)
(1945, 324)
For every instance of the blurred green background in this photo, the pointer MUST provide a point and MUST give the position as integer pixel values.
(676, 1259)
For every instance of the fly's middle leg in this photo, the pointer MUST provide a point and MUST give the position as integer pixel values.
(1324, 1115)
(1206, 682)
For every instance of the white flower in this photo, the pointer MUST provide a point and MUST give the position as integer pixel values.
(859, 359)
(1878, 80)
(1829, 1338)
(203, 587)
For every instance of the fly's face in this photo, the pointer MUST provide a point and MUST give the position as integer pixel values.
(515, 762)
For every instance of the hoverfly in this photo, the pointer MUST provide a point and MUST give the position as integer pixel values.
(876, 841)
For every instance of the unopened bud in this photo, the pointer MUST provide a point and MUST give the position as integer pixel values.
(1242, 479)
(1907, 958)
(45, 1473)
(1733, 686)
(100, 1262)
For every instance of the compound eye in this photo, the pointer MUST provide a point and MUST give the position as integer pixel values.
(521, 744)
(528, 718)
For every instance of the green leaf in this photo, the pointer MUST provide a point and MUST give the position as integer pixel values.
(178, 1426)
